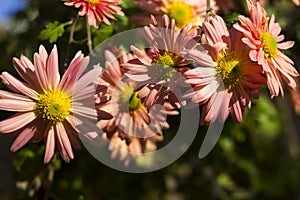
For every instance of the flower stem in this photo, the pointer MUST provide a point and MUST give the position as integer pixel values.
(208, 10)
(71, 40)
(51, 171)
(89, 36)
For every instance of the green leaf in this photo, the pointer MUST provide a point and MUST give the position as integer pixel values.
(53, 31)
(231, 19)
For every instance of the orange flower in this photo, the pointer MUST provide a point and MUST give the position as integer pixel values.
(224, 78)
(265, 42)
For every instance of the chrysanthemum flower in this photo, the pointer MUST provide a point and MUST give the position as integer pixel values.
(160, 67)
(263, 38)
(46, 104)
(226, 78)
(97, 10)
(122, 114)
(183, 11)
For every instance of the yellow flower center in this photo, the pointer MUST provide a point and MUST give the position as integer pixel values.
(92, 1)
(166, 64)
(128, 96)
(229, 70)
(181, 12)
(53, 106)
(269, 44)
(134, 102)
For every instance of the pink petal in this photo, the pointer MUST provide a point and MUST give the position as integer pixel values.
(86, 80)
(274, 28)
(249, 43)
(201, 58)
(284, 58)
(237, 109)
(86, 93)
(84, 111)
(279, 38)
(211, 34)
(25, 69)
(18, 86)
(141, 54)
(13, 96)
(200, 72)
(70, 131)
(50, 145)
(74, 71)
(64, 143)
(24, 137)
(40, 71)
(285, 65)
(205, 93)
(16, 122)
(200, 81)
(135, 68)
(286, 45)
(217, 107)
(260, 57)
(16, 105)
(288, 72)
(138, 77)
(274, 82)
(43, 55)
(52, 69)
(253, 55)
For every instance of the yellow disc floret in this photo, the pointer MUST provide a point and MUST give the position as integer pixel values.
(167, 63)
(269, 44)
(53, 106)
(129, 97)
(229, 70)
(92, 1)
(134, 102)
(181, 12)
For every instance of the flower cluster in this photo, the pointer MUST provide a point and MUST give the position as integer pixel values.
(220, 70)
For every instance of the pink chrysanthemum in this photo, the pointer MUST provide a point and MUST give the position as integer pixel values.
(46, 104)
(97, 10)
(122, 114)
(183, 11)
(160, 67)
(265, 42)
(226, 78)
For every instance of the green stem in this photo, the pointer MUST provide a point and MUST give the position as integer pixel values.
(51, 171)
(71, 40)
(89, 36)
(208, 10)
